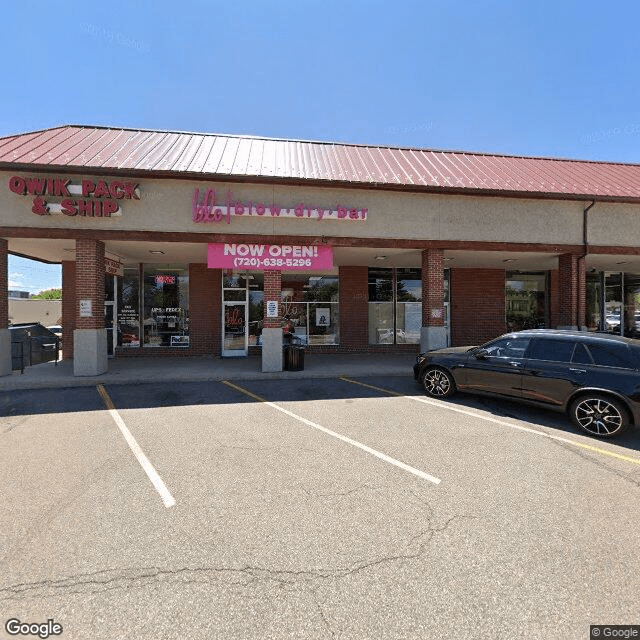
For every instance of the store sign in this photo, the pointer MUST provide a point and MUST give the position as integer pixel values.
(272, 308)
(282, 257)
(206, 209)
(162, 279)
(113, 267)
(88, 198)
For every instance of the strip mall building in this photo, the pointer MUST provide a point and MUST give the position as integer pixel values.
(195, 244)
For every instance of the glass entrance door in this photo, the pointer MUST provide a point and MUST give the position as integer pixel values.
(234, 326)
(110, 326)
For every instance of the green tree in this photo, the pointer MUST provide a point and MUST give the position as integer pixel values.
(49, 294)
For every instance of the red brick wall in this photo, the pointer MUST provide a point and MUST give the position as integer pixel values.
(4, 284)
(68, 307)
(571, 286)
(90, 282)
(354, 307)
(477, 305)
(205, 310)
(433, 288)
(272, 290)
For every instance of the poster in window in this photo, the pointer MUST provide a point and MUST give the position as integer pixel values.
(323, 317)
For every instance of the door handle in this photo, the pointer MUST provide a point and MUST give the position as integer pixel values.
(516, 364)
(577, 370)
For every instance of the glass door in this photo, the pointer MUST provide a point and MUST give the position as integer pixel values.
(234, 325)
(110, 326)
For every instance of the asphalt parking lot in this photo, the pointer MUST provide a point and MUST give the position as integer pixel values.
(318, 508)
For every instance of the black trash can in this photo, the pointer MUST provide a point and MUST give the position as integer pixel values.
(293, 358)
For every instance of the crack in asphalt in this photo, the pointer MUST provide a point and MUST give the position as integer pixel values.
(113, 579)
(340, 494)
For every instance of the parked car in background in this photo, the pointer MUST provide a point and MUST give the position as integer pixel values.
(594, 378)
(57, 329)
(32, 343)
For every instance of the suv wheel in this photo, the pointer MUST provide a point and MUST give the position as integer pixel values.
(438, 383)
(599, 415)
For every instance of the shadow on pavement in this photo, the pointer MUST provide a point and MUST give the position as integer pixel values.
(167, 394)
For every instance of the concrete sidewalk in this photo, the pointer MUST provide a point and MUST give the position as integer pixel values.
(150, 369)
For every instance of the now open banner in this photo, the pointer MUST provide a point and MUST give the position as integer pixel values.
(283, 257)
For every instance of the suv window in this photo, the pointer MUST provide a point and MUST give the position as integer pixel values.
(508, 347)
(551, 349)
(611, 355)
(581, 355)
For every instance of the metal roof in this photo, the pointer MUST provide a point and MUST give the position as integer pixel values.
(214, 156)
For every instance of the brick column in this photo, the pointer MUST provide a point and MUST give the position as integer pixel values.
(205, 313)
(89, 336)
(354, 307)
(433, 334)
(572, 285)
(271, 327)
(68, 307)
(5, 334)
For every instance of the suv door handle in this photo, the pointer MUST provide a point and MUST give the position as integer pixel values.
(577, 370)
(516, 364)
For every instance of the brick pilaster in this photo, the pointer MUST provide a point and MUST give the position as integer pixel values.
(90, 282)
(68, 307)
(205, 312)
(432, 288)
(572, 290)
(354, 307)
(272, 289)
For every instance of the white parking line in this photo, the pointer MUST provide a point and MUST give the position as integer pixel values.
(156, 480)
(474, 414)
(354, 443)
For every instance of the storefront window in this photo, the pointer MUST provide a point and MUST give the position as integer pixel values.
(311, 304)
(166, 306)
(526, 300)
(128, 309)
(632, 305)
(612, 303)
(593, 319)
(395, 306)
(408, 305)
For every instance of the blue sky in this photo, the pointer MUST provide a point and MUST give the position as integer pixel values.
(548, 78)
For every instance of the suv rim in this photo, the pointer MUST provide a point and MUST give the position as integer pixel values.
(598, 416)
(437, 382)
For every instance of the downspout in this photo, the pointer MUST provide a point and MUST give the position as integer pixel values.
(585, 253)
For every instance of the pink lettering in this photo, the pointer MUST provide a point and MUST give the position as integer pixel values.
(275, 210)
(342, 212)
(260, 209)
(299, 211)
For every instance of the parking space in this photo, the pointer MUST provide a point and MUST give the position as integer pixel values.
(283, 526)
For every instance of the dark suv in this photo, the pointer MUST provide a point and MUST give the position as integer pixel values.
(593, 377)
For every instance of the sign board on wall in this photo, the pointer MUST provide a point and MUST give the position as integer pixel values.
(89, 198)
(205, 209)
(280, 257)
(272, 308)
(86, 308)
(113, 267)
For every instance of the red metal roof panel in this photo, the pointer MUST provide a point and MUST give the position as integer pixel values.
(87, 148)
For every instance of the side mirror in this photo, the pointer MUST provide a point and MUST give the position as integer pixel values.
(481, 354)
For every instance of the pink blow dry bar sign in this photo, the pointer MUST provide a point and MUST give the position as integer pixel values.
(282, 257)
